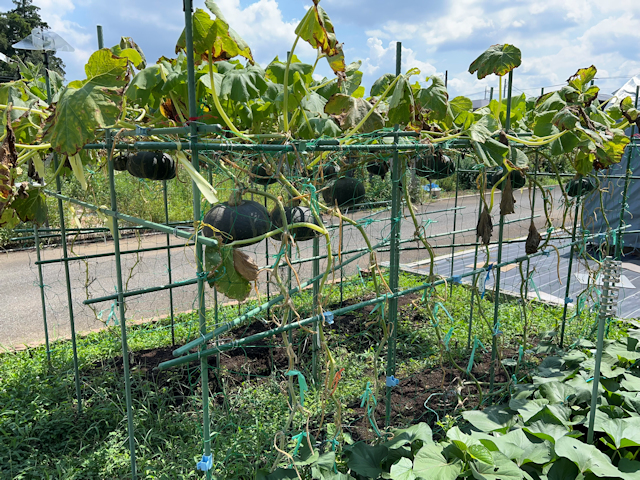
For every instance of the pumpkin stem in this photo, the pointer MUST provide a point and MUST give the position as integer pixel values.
(235, 198)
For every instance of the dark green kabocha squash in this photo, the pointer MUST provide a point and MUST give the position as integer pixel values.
(345, 191)
(120, 163)
(379, 168)
(238, 219)
(261, 176)
(151, 165)
(330, 171)
(518, 179)
(589, 184)
(295, 215)
(434, 166)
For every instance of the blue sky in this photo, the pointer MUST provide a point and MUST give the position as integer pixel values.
(556, 36)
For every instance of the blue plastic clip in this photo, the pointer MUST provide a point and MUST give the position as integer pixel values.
(484, 285)
(205, 464)
(142, 131)
(568, 300)
(457, 279)
(328, 317)
(392, 381)
(546, 253)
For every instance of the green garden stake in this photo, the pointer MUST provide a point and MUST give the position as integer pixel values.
(42, 297)
(121, 305)
(569, 269)
(168, 238)
(475, 263)
(193, 140)
(496, 300)
(394, 261)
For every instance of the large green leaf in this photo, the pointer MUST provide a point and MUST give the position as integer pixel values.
(517, 447)
(80, 112)
(580, 80)
(434, 98)
(430, 463)
(275, 70)
(562, 469)
(544, 431)
(381, 84)
(501, 468)
(242, 85)
(460, 104)
(401, 105)
(402, 470)
(556, 392)
(316, 29)
(625, 432)
(497, 59)
(111, 69)
(32, 208)
(145, 82)
(407, 436)
(630, 468)
(320, 127)
(227, 280)
(586, 457)
(350, 111)
(492, 153)
(365, 459)
(491, 419)
(214, 36)
(353, 78)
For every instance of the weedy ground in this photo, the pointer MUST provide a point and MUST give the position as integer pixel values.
(44, 435)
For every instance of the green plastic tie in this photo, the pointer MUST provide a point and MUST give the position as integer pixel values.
(301, 381)
(298, 438)
(476, 343)
(447, 338)
(534, 286)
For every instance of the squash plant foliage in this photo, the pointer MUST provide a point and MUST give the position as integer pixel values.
(540, 434)
(122, 90)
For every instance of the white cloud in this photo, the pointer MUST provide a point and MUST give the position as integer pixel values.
(382, 59)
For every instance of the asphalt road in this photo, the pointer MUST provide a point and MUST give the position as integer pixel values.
(21, 317)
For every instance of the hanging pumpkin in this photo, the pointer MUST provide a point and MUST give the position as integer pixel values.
(434, 166)
(379, 168)
(261, 176)
(574, 189)
(151, 165)
(518, 179)
(345, 191)
(120, 163)
(295, 215)
(238, 219)
(330, 171)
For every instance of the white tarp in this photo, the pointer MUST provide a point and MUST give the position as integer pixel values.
(627, 90)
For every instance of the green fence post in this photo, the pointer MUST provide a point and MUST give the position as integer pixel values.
(496, 300)
(65, 254)
(455, 217)
(568, 287)
(166, 219)
(121, 310)
(193, 138)
(41, 285)
(394, 260)
(316, 308)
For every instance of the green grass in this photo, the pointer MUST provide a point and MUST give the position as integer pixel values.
(42, 436)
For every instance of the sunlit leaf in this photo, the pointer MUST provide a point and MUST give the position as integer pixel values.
(316, 29)
(497, 59)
